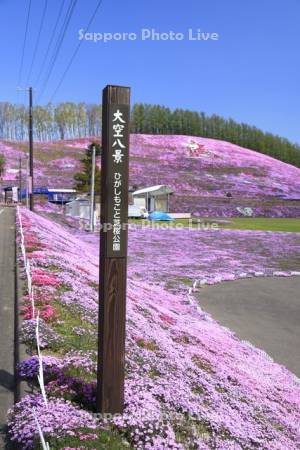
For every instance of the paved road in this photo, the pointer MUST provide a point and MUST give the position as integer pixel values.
(264, 311)
(7, 297)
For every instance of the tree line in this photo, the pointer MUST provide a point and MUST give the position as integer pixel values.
(66, 120)
(70, 120)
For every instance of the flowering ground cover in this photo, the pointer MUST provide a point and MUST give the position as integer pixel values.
(54, 163)
(175, 258)
(208, 170)
(210, 177)
(190, 383)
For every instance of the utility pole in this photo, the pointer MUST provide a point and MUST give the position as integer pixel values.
(27, 182)
(29, 170)
(20, 179)
(92, 203)
(30, 180)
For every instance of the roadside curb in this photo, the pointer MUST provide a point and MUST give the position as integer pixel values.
(198, 284)
(22, 388)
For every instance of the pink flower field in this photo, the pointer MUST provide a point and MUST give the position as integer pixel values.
(176, 258)
(210, 177)
(190, 383)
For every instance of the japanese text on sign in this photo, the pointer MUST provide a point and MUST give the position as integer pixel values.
(118, 146)
(117, 212)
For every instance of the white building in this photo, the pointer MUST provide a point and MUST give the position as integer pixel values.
(154, 198)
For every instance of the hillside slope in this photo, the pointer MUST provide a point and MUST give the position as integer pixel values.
(190, 383)
(210, 177)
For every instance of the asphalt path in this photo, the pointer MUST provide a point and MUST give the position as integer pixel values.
(7, 322)
(264, 311)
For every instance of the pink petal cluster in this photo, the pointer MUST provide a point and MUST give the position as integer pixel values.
(41, 277)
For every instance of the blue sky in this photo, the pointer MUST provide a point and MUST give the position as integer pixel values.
(251, 73)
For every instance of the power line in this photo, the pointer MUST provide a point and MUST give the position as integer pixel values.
(76, 50)
(24, 43)
(38, 40)
(50, 42)
(61, 35)
(59, 43)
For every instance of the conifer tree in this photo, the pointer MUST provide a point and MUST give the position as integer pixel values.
(83, 179)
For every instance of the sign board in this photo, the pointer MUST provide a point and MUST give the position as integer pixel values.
(117, 181)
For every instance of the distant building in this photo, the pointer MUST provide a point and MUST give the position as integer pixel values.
(11, 194)
(61, 196)
(80, 207)
(154, 198)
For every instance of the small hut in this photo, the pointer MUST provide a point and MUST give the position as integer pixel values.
(60, 196)
(154, 198)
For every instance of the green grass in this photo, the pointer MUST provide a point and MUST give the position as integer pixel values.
(70, 319)
(264, 224)
(234, 223)
(105, 440)
(183, 223)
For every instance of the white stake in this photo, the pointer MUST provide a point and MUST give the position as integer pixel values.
(45, 444)
(32, 303)
(28, 272)
(41, 373)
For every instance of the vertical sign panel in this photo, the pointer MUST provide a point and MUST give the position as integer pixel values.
(113, 248)
(117, 184)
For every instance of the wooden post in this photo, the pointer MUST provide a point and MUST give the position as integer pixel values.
(113, 248)
(92, 201)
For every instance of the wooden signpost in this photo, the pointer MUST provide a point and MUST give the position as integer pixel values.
(113, 248)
